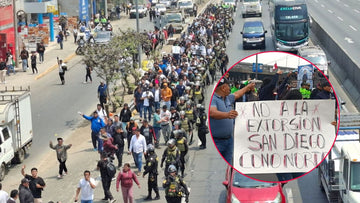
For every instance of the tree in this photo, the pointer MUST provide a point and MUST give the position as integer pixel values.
(105, 61)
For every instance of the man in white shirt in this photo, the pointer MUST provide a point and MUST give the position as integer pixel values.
(147, 96)
(176, 51)
(137, 148)
(4, 196)
(101, 112)
(86, 186)
(157, 96)
(165, 123)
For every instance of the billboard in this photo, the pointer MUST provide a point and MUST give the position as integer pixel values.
(84, 11)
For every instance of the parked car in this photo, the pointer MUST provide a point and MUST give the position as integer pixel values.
(175, 19)
(251, 7)
(161, 8)
(141, 9)
(167, 3)
(243, 189)
(316, 56)
(253, 34)
(102, 37)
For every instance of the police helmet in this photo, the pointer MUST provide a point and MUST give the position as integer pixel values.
(172, 169)
(198, 78)
(188, 103)
(150, 148)
(201, 108)
(187, 88)
(182, 113)
(177, 123)
(182, 98)
(171, 142)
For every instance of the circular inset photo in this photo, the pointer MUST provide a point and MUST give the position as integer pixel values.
(273, 115)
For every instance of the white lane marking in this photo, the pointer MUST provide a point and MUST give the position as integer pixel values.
(346, 5)
(322, 5)
(330, 11)
(289, 195)
(349, 40)
(338, 0)
(352, 28)
(357, 11)
(316, 1)
(340, 18)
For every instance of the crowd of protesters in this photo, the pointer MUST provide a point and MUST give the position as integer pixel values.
(169, 103)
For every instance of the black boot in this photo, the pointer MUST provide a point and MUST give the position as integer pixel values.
(149, 195)
(157, 195)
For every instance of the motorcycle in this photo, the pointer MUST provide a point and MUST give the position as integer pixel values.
(81, 47)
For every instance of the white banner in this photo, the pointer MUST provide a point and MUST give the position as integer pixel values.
(282, 136)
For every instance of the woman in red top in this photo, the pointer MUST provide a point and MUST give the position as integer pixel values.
(126, 177)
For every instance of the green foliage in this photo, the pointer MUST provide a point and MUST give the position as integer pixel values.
(104, 60)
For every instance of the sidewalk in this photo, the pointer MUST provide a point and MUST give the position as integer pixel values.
(50, 63)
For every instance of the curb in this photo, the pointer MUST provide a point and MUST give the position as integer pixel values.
(54, 67)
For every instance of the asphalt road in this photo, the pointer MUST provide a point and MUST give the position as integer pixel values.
(341, 20)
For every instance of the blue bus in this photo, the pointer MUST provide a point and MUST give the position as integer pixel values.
(290, 24)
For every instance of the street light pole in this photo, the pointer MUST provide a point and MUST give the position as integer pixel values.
(138, 30)
(15, 33)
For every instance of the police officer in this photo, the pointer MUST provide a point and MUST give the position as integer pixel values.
(181, 144)
(171, 156)
(174, 186)
(151, 168)
(202, 127)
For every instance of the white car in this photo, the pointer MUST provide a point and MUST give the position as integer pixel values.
(167, 3)
(251, 7)
(161, 8)
(316, 56)
(141, 9)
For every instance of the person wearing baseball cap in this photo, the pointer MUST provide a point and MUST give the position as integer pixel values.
(222, 116)
(25, 194)
(326, 92)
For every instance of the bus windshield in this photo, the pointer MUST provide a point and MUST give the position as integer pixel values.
(291, 31)
(355, 176)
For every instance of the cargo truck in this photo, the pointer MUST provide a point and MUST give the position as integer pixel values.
(16, 131)
(339, 173)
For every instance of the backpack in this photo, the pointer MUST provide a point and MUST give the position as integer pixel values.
(110, 169)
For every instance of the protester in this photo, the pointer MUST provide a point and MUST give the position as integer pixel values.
(222, 117)
(86, 187)
(126, 178)
(36, 183)
(61, 154)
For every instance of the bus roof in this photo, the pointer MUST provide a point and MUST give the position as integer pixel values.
(289, 2)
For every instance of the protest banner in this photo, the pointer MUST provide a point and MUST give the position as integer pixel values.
(282, 136)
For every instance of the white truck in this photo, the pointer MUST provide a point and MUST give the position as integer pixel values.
(16, 131)
(339, 173)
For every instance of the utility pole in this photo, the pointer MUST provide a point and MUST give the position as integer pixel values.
(15, 33)
(138, 31)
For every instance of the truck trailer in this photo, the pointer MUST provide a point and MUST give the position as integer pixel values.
(16, 131)
(339, 173)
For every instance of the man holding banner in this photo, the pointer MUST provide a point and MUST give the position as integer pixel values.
(222, 117)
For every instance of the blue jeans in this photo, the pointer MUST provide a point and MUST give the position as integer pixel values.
(139, 107)
(174, 103)
(24, 64)
(147, 109)
(41, 56)
(168, 104)
(10, 67)
(157, 133)
(138, 160)
(86, 201)
(226, 148)
(100, 145)
(157, 105)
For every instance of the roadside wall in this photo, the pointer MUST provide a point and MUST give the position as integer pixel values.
(348, 70)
